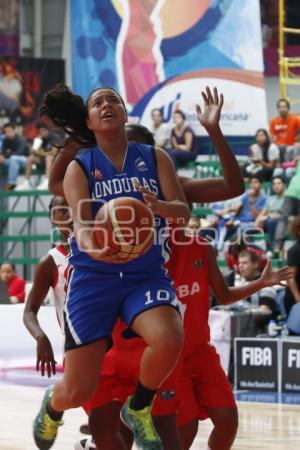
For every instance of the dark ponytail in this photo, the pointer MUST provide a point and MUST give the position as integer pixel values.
(68, 111)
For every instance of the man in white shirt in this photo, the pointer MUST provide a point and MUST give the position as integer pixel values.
(160, 130)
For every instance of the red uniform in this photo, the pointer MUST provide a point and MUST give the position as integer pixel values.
(203, 380)
(199, 382)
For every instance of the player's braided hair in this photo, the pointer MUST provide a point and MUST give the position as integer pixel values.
(69, 112)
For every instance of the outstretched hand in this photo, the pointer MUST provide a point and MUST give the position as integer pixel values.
(271, 277)
(209, 115)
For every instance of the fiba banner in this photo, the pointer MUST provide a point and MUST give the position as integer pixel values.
(161, 54)
(22, 85)
(257, 364)
(9, 27)
(290, 367)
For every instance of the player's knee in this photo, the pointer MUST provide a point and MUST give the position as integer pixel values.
(227, 420)
(170, 337)
(77, 395)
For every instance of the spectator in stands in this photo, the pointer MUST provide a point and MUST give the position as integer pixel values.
(248, 208)
(183, 140)
(159, 129)
(292, 293)
(264, 156)
(15, 283)
(2, 137)
(292, 157)
(42, 155)
(290, 207)
(270, 215)
(13, 154)
(264, 302)
(283, 128)
(234, 250)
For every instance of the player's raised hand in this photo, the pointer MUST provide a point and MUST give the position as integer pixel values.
(209, 115)
(271, 277)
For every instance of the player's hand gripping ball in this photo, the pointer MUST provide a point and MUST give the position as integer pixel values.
(124, 225)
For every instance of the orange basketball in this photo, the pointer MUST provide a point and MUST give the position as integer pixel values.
(126, 226)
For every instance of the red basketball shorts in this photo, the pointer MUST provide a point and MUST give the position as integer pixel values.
(204, 384)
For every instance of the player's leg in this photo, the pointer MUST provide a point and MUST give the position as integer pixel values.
(151, 314)
(162, 330)
(165, 407)
(167, 429)
(188, 413)
(126, 435)
(104, 426)
(89, 319)
(225, 422)
(188, 432)
(215, 398)
(81, 375)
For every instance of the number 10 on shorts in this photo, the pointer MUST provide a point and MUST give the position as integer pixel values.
(161, 296)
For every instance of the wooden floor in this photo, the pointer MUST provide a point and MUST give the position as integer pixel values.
(262, 426)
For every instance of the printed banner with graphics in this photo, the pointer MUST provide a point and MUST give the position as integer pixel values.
(256, 364)
(162, 53)
(22, 86)
(9, 27)
(290, 366)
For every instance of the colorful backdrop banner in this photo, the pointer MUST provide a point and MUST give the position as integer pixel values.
(162, 53)
(23, 83)
(9, 27)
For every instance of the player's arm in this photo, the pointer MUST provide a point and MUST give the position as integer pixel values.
(227, 295)
(59, 166)
(76, 192)
(43, 279)
(174, 207)
(215, 189)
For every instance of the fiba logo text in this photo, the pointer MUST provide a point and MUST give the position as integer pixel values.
(257, 356)
(293, 358)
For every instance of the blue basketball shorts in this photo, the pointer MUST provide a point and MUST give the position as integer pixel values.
(95, 301)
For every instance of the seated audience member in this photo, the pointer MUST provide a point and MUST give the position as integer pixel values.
(283, 128)
(15, 283)
(160, 130)
(42, 155)
(292, 157)
(292, 293)
(13, 154)
(270, 215)
(234, 250)
(248, 208)
(264, 302)
(183, 140)
(293, 321)
(290, 207)
(264, 156)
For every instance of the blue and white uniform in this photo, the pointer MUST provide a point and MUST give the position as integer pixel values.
(100, 292)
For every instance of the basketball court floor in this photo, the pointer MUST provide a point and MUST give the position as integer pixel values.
(263, 426)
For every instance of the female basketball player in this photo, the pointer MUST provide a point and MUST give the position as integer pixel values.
(50, 272)
(101, 288)
(205, 390)
(232, 184)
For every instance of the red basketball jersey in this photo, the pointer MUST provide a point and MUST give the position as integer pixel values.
(188, 268)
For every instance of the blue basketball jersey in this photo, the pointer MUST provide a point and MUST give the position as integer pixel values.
(105, 182)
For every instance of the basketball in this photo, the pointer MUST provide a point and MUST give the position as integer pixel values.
(125, 225)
